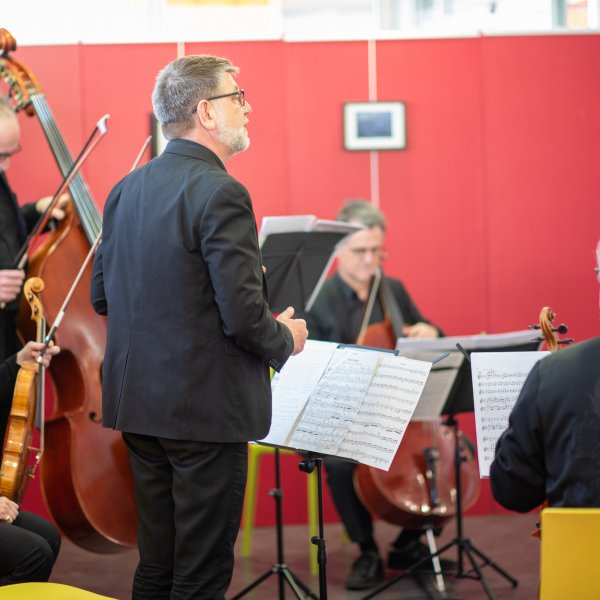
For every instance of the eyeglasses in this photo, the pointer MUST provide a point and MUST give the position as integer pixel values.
(377, 251)
(5, 155)
(238, 93)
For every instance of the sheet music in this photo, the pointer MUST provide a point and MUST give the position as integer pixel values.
(379, 425)
(497, 381)
(468, 342)
(293, 386)
(439, 383)
(346, 401)
(335, 401)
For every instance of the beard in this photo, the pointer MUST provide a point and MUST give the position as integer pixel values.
(235, 138)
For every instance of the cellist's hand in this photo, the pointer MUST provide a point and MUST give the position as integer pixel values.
(58, 212)
(420, 330)
(29, 353)
(11, 282)
(9, 510)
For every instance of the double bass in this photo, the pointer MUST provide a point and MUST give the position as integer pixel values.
(86, 478)
(419, 489)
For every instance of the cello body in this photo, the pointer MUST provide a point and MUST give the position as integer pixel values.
(86, 478)
(419, 489)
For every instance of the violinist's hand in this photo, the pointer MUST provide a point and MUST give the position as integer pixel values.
(11, 282)
(58, 212)
(9, 510)
(28, 355)
(296, 326)
(420, 330)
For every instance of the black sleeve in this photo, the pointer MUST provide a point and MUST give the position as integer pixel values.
(517, 474)
(410, 313)
(229, 245)
(8, 375)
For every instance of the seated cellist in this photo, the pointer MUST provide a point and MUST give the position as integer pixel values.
(336, 317)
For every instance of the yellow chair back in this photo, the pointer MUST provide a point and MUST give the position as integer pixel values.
(570, 554)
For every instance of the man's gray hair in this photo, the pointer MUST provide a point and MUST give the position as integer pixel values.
(181, 85)
(363, 212)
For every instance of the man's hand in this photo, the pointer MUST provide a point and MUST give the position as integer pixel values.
(58, 211)
(420, 330)
(9, 510)
(11, 282)
(296, 326)
(28, 355)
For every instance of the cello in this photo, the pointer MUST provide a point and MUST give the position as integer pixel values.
(419, 490)
(86, 478)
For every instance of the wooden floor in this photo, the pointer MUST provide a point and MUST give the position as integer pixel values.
(504, 538)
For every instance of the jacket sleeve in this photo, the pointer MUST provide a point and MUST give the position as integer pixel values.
(518, 474)
(97, 295)
(8, 375)
(408, 308)
(229, 246)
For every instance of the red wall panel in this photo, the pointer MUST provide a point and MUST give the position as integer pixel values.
(492, 207)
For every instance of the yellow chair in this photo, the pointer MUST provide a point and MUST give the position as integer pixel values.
(47, 591)
(570, 554)
(255, 452)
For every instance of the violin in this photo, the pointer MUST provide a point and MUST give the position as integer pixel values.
(17, 467)
(86, 477)
(419, 490)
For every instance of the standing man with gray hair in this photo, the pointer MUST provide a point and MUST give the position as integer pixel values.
(190, 334)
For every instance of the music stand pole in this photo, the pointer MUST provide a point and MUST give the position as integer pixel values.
(308, 465)
(280, 568)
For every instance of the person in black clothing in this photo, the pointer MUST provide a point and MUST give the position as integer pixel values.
(15, 223)
(29, 544)
(188, 409)
(551, 449)
(336, 316)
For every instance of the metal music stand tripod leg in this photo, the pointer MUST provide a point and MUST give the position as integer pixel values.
(280, 568)
(308, 465)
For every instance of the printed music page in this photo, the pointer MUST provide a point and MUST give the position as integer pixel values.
(293, 386)
(497, 381)
(349, 402)
(378, 428)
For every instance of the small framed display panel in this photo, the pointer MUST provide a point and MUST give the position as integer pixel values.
(374, 126)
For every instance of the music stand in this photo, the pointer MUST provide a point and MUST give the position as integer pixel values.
(460, 399)
(285, 575)
(296, 264)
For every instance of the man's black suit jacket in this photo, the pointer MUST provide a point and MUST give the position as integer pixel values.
(179, 274)
(551, 450)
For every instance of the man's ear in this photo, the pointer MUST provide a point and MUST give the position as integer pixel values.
(206, 114)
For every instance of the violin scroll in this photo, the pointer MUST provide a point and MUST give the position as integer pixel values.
(550, 333)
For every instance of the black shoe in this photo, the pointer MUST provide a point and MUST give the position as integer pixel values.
(367, 571)
(409, 555)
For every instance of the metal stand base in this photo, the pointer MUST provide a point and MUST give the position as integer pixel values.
(279, 568)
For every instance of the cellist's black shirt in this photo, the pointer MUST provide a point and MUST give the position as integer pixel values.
(337, 311)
